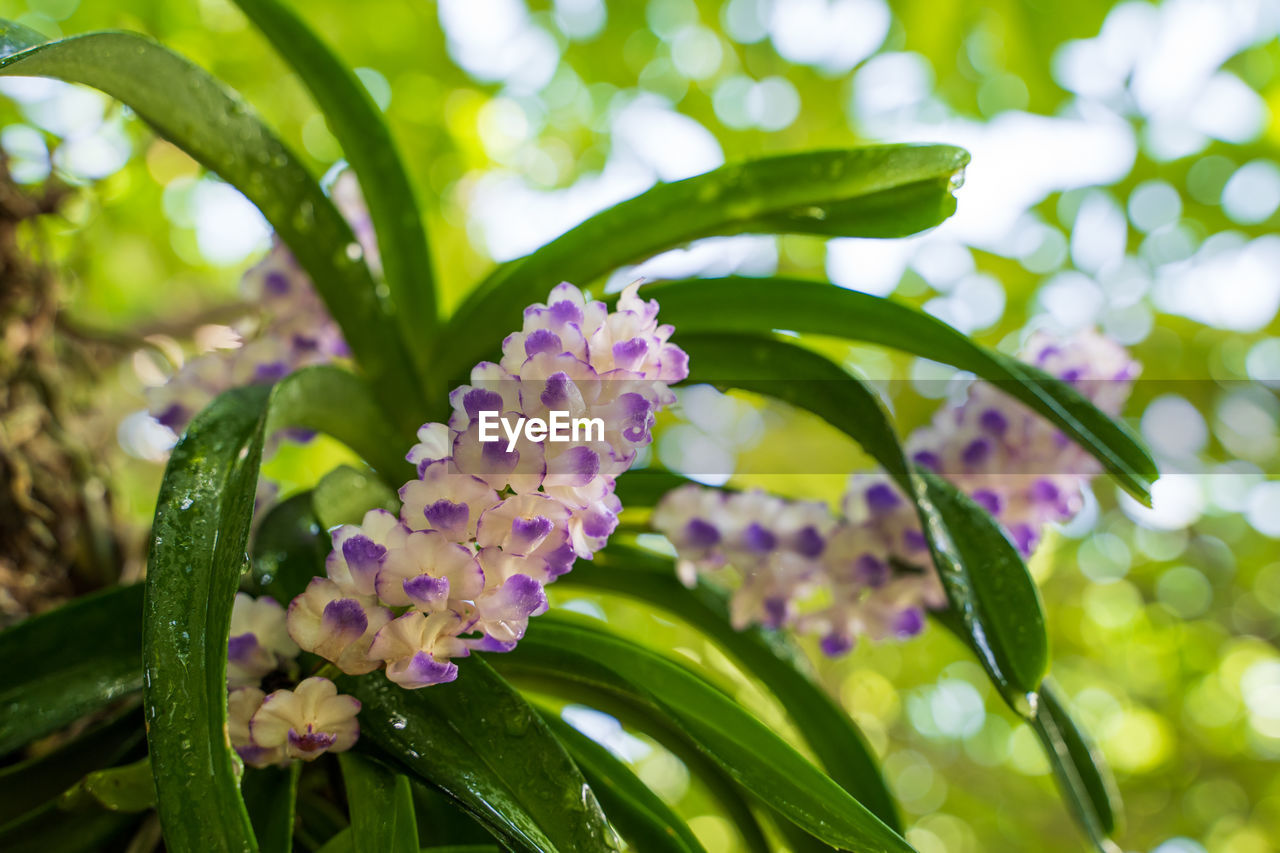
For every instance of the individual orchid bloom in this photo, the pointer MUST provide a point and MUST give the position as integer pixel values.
(338, 627)
(531, 525)
(629, 338)
(259, 641)
(308, 721)
(878, 506)
(769, 592)
(520, 469)
(579, 475)
(242, 704)
(417, 647)
(445, 500)
(628, 418)
(434, 445)
(502, 613)
(855, 560)
(359, 551)
(429, 571)
(492, 389)
(691, 517)
(748, 520)
(803, 527)
(567, 314)
(591, 526)
(550, 381)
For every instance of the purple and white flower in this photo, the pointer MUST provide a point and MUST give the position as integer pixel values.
(259, 642)
(306, 722)
(242, 704)
(484, 527)
(336, 625)
(868, 573)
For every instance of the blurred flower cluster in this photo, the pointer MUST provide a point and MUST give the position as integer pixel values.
(290, 329)
(485, 525)
(868, 572)
(271, 728)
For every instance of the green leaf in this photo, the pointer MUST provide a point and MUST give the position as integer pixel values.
(29, 784)
(381, 807)
(289, 549)
(745, 748)
(642, 488)
(197, 555)
(1081, 772)
(441, 821)
(51, 829)
(985, 578)
(344, 495)
(757, 304)
(197, 113)
(59, 666)
(358, 125)
(482, 744)
(271, 795)
(340, 843)
(988, 586)
(640, 816)
(828, 729)
(635, 711)
(1079, 768)
(130, 788)
(880, 190)
(340, 404)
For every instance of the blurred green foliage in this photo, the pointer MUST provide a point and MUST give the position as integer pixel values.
(1146, 204)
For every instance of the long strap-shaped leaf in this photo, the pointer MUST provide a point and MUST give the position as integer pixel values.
(198, 114)
(197, 556)
(197, 553)
(289, 549)
(340, 404)
(270, 795)
(986, 581)
(60, 665)
(745, 748)
(381, 807)
(828, 729)
(1078, 767)
(365, 138)
(752, 304)
(480, 742)
(880, 191)
(635, 711)
(641, 817)
(1081, 772)
(28, 784)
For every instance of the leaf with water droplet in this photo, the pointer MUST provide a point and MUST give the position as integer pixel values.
(458, 738)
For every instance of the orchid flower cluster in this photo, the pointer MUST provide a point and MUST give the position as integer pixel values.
(843, 578)
(271, 728)
(292, 328)
(486, 524)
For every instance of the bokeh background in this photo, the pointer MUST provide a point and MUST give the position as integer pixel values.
(1125, 174)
